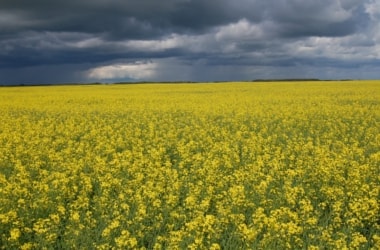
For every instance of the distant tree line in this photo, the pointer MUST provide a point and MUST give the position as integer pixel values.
(178, 82)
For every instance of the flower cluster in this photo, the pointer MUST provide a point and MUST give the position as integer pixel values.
(197, 166)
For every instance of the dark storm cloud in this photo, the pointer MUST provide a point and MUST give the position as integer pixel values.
(212, 38)
(66, 48)
(147, 18)
(317, 18)
(128, 19)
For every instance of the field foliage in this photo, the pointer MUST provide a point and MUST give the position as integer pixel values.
(199, 166)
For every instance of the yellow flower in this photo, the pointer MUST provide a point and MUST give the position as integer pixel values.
(357, 240)
(27, 246)
(266, 166)
(75, 216)
(125, 240)
(14, 234)
(215, 246)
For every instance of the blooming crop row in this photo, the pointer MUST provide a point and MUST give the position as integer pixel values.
(199, 166)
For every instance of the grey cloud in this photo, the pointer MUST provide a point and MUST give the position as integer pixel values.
(128, 19)
(147, 19)
(215, 38)
(317, 18)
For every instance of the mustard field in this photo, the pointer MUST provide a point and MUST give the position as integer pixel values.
(279, 165)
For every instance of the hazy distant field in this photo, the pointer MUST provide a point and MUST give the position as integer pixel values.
(290, 165)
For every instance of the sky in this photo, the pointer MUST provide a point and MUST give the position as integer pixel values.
(72, 41)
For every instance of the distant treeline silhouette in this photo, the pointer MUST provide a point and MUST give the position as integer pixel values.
(177, 82)
(288, 80)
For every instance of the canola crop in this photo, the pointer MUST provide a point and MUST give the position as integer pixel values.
(290, 165)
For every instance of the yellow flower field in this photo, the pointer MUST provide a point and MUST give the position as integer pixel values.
(290, 165)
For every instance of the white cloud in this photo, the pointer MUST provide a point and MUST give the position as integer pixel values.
(373, 9)
(338, 13)
(354, 48)
(193, 43)
(87, 43)
(172, 41)
(239, 30)
(137, 71)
